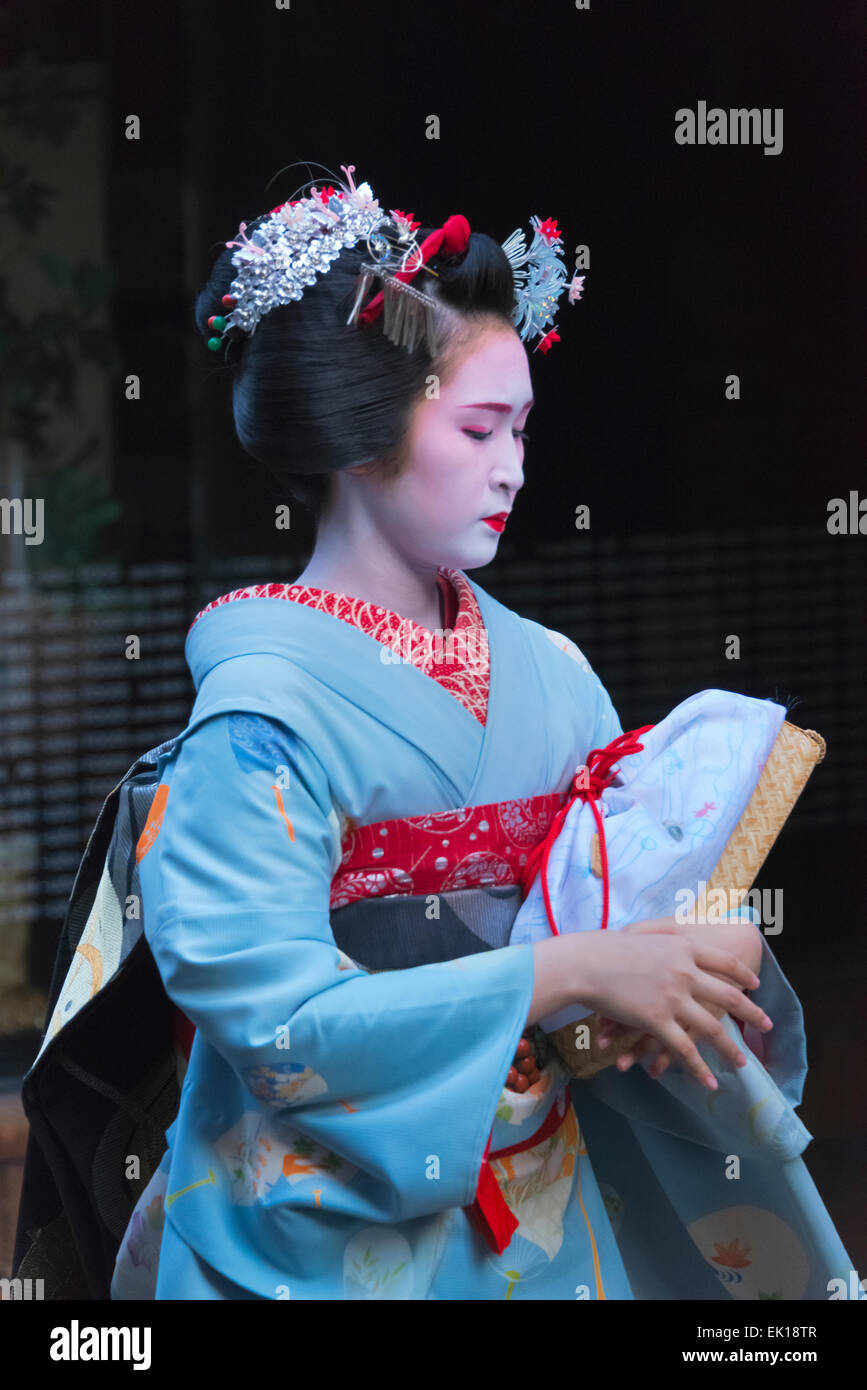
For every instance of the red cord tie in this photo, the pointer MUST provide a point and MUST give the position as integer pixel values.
(588, 784)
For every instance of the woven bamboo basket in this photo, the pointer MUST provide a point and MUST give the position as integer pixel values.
(791, 760)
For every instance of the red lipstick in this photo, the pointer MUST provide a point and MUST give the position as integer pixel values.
(497, 521)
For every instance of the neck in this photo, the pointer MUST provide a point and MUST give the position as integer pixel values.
(374, 572)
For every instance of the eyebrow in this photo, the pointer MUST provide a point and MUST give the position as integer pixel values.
(496, 405)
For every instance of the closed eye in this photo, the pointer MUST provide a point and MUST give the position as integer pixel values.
(479, 434)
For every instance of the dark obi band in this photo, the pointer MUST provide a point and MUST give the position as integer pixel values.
(404, 930)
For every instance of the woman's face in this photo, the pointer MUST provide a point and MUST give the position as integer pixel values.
(464, 459)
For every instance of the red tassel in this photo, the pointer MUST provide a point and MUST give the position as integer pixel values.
(489, 1213)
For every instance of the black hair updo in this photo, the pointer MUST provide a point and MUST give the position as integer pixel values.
(311, 396)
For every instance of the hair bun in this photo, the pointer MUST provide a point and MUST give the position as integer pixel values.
(312, 395)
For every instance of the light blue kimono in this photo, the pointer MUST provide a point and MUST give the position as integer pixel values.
(332, 1122)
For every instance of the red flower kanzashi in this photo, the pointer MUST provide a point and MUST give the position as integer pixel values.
(548, 230)
(406, 217)
(545, 344)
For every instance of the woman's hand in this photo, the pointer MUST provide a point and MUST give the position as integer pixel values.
(663, 978)
(742, 938)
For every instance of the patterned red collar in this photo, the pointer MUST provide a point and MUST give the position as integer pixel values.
(330, 599)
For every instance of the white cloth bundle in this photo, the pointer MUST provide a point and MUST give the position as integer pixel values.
(667, 822)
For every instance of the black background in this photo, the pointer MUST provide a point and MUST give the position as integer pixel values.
(705, 261)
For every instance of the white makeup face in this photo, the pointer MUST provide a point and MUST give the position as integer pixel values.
(465, 460)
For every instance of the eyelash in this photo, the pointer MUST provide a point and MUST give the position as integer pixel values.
(477, 434)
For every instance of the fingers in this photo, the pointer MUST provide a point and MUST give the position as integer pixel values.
(659, 1059)
(647, 1049)
(653, 1052)
(733, 1001)
(661, 1064)
(609, 1029)
(713, 958)
(743, 1008)
(697, 1022)
(681, 1047)
(714, 980)
(712, 1030)
(607, 1026)
(678, 1045)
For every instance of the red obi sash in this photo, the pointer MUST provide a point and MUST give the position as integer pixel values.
(469, 847)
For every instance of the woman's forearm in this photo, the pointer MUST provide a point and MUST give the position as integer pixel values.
(558, 976)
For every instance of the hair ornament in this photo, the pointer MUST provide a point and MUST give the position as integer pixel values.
(296, 242)
(540, 278)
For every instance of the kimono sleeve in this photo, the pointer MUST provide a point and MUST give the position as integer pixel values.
(605, 720)
(400, 1072)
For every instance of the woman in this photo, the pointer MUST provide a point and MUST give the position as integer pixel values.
(331, 862)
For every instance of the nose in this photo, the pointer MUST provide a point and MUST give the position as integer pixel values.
(508, 471)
